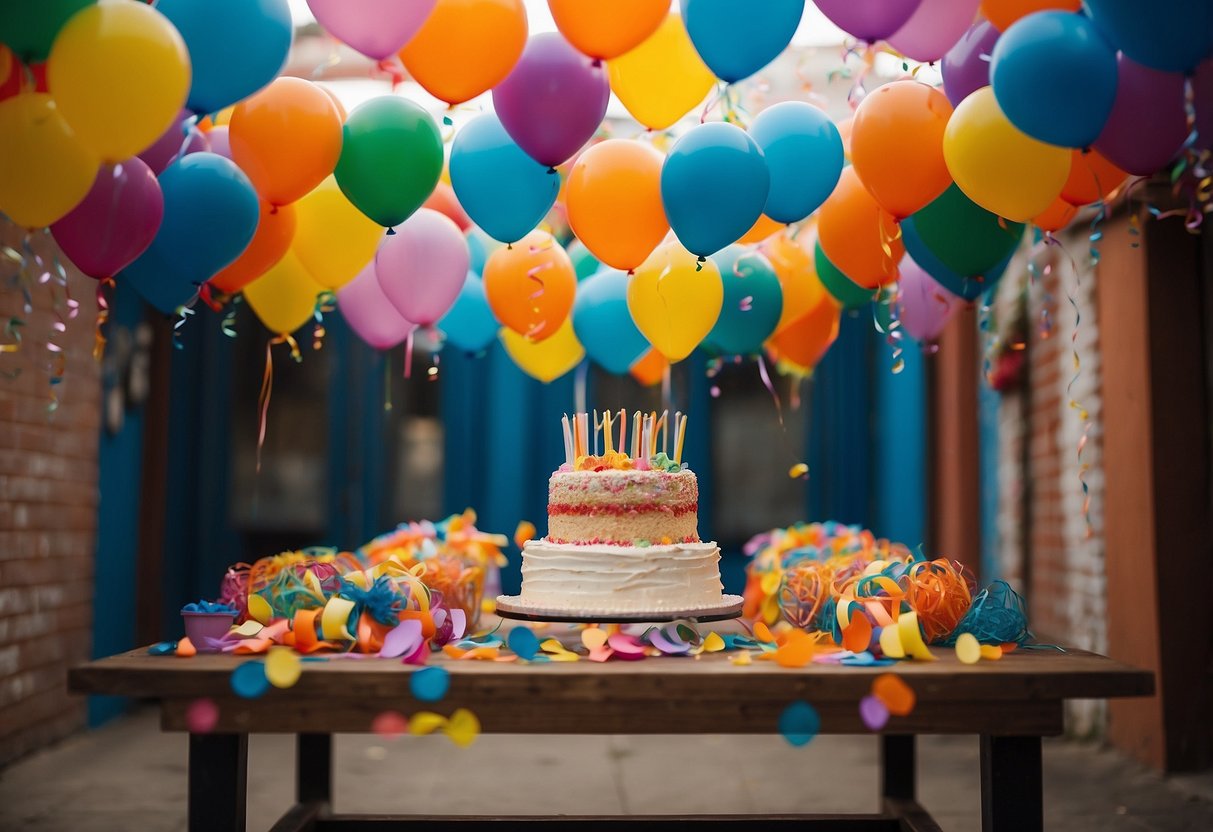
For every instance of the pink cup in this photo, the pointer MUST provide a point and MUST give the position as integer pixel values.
(203, 628)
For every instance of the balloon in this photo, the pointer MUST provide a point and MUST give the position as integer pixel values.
(120, 73)
(805, 340)
(968, 285)
(480, 246)
(897, 145)
(1002, 13)
(662, 79)
(333, 240)
(1173, 36)
(217, 138)
(181, 137)
(736, 41)
(210, 216)
(276, 229)
(44, 171)
(868, 20)
(444, 201)
(584, 263)
(115, 223)
(1055, 78)
(1056, 217)
(369, 312)
(714, 185)
(530, 286)
(545, 360)
(798, 282)
(966, 67)
(603, 323)
(996, 165)
(840, 287)
(422, 266)
(1147, 126)
(650, 369)
(857, 235)
(752, 305)
(675, 300)
(391, 159)
(844, 132)
(504, 191)
(470, 324)
(236, 46)
(606, 29)
(803, 152)
(376, 28)
(763, 228)
(284, 298)
(466, 47)
(614, 202)
(1092, 178)
(553, 100)
(933, 28)
(925, 306)
(28, 27)
(967, 238)
(287, 138)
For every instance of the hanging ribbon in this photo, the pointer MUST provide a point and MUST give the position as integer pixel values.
(326, 301)
(267, 385)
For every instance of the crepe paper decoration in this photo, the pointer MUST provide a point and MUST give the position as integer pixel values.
(201, 716)
(334, 621)
(390, 724)
(890, 643)
(713, 643)
(741, 659)
(305, 632)
(252, 646)
(991, 652)
(857, 635)
(968, 649)
(799, 470)
(524, 642)
(248, 629)
(259, 609)
(896, 695)
(429, 684)
(524, 532)
(282, 667)
(249, 681)
(185, 648)
(873, 713)
(210, 607)
(911, 637)
(163, 648)
(593, 638)
(799, 723)
(401, 639)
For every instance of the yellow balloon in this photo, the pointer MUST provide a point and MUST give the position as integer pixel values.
(998, 167)
(333, 239)
(44, 171)
(673, 304)
(662, 79)
(284, 298)
(120, 73)
(546, 360)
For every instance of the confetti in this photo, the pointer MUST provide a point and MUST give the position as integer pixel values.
(991, 652)
(858, 634)
(524, 532)
(798, 471)
(185, 648)
(390, 724)
(463, 727)
(797, 651)
(799, 723)
(890, 643)
(402, 639)
(282, 667)
(430, 684)
(911, 637)
(763, 633)
(873, 713)
(896, 695)
(249, 681)
(201, 716)
(557, 652)
(164, 648)
(524, 642)
(741, 659)
(713, 643)
(594, 638)
(967, 648)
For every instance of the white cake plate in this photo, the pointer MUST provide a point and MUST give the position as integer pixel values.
(508, 607)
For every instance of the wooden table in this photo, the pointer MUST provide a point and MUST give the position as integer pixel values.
(1010, 703)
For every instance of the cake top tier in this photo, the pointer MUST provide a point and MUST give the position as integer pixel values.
(649, 449)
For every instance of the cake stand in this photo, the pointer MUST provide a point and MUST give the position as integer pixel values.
(508, 607)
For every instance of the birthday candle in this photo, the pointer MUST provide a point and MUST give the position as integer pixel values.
(585, 433)
(568, 440)
(597, 425)
(636, 419)
(608, 438)
(665, 432)
(623, 431)
(682, 435)
(651, 444)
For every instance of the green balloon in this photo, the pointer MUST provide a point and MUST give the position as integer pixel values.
(584, 263)
(965, 237)
(847, 292)
(29, 27)
(391, 159)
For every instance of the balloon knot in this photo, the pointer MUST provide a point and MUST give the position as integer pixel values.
(553, 170)
(699, 263)
(596, 63)
(391, 232)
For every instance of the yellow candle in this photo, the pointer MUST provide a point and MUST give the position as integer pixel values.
(682, 435)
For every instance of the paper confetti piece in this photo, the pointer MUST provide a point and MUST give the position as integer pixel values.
(335, 619)
(858, 634)
(463, 727)
(459, 623)
(201, 716)
(249, 681)
(390, 724)
(1008, 647)
(896, 695)
(425, 722)
(968, 650)
(259, 609)
(524, 532)
(249, 628)
(799, 723)
(890, 643)
(667, 643)
(600, 654)
(185, 648)
(798, 471)
(991, 652)
(741, 659)
(430, 684)
(164, 648)
(763, 633)
(524, 642)
(282, 667)
(402, 639)
(625, 645)
(594, 638)
(713, 643)
(873, 713)
(797, 651)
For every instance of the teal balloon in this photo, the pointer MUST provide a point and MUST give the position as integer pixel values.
(848, 293)
(503, 190)
(603, 323)
(584, 264)
(469, 324)
(480, 246)
(968, 286)
(210, 215)
(966, 237)
(714, 186)
(1168, 35)
(737, 39)
(803, 152)
(753, 302)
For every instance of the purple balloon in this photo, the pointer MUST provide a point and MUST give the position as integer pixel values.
(926, 307)
(369, 313)
(220, 143)
(421, 267)
(165, 149)
(1148, 125)
(1202, 90)
(868, 20)
(116, 222)
(376, 28)
(966, 66)
(933, 28)
(553, 100)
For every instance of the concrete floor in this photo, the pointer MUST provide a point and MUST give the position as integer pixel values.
(130, 776)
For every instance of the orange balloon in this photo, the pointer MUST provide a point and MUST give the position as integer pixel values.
(614, 202)
(336, 101)
(1092, 178)
(794, 267)
(287, 138)
(1056, 217)
(650, 368)
(607, 28)
(897, 145)
(858, 236)
(275, 231)
(530, 285)
(1002, 13)
(466, 47)
(805, 341)
(444, 201)
(762, 228)
(844, 130)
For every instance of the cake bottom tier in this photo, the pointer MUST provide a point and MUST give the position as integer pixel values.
(605, 578)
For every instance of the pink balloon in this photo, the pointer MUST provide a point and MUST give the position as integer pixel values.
(116, 222)
(868, 20)
(177, 140)
(553, 100)
(422, 266)
(934, 28)
(926, 307)
(369, 313)
(218, 137)
(376, 28)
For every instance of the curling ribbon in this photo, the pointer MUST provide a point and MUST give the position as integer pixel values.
(267, 386)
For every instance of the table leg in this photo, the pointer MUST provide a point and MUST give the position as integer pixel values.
(218, 765)
(898, 770)
(314, 769)
(1011, 785)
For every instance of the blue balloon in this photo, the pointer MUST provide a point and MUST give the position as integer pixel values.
(968, 287)
(714, 185)
(803, 151)
(737, 39)
(603, 323)
(1054, 76)
(480, 246)
(1169, 35)
(236, 46)
(753, 302)
(469, 323)
(503, 190)
(210, 215)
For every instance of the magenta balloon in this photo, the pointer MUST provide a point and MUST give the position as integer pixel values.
(1202, 89)
(1148, 125)
(966, 66)
(925, 306)
(553, 100)
(116, 222)
(869, 20)
(220, 143)
(934, 28)
(369, 313)
(421, 267)
(376, 28)
(165, 149)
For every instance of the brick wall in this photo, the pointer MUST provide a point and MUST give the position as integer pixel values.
(48, 508)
